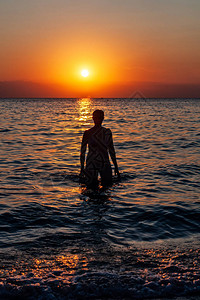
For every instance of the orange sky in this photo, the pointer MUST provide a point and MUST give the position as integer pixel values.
(121, 43)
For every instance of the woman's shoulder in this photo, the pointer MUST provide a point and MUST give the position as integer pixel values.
(107, 130)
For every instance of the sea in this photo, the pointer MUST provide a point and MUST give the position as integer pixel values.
(138, 239)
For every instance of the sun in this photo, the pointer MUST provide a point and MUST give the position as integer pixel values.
(85, 73)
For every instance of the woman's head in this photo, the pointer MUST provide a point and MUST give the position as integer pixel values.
(98, 116)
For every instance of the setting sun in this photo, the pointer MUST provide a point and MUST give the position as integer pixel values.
(85, 73)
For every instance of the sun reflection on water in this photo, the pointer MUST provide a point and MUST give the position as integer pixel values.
(165, 265)
(59, 266)
(84, 108)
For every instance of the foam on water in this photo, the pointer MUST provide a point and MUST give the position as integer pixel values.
(141, 272)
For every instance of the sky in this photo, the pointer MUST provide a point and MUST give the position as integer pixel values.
(151, 47)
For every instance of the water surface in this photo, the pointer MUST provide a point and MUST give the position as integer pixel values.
(140, 236)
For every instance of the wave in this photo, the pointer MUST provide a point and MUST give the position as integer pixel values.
(102, 273)
(119, 222)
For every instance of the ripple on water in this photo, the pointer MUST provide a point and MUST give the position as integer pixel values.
(139, 238)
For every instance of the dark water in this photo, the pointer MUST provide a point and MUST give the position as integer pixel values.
(139, 239)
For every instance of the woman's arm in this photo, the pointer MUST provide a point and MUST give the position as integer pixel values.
(112, 154)
(83, 151)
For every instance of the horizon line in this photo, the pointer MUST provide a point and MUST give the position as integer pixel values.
(85, 97)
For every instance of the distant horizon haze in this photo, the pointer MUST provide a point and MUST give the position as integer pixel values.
(26, 89)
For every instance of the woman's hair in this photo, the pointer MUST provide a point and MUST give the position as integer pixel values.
(98, 115)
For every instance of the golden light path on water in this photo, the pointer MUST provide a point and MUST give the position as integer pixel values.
(84, 110)
(164, 265)
(64, 265)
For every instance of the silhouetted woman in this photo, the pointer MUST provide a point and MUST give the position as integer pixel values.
(100, 143)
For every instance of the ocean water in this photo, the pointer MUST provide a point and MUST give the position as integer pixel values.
(137, 240)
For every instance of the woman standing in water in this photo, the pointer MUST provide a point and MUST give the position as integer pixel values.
(100, 143)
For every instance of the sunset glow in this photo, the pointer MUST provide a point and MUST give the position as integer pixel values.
(125, 47)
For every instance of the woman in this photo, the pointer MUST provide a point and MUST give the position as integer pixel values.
(100, 143)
